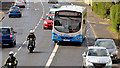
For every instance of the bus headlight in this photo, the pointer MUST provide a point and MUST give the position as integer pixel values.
(55, 36)
(77, 38)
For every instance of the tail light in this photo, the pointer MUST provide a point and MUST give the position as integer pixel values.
(23, 2)
(18, 10)
(10, 35)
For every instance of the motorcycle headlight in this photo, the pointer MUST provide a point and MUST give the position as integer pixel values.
(45, 22)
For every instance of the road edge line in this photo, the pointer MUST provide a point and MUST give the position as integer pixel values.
(51, 56)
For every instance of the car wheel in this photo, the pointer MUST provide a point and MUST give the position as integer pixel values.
(20, 15)
(14, 43)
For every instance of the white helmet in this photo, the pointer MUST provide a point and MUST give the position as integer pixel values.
(11, 53)
(31, 31)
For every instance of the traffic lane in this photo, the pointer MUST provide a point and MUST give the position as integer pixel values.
(71, 54)
(44, 47)
(22, 26)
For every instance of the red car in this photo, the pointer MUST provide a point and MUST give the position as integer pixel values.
(48, 21)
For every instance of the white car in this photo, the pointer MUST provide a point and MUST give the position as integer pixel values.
(97, 57)
(20, 3)
(110, 45)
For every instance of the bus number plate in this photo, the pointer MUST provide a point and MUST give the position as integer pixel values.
(66, 40)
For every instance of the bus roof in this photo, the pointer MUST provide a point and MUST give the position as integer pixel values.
(72, 8)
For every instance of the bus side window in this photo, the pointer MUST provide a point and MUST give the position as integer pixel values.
(84, 21)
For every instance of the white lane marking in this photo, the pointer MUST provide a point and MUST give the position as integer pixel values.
(51, 56)
(93, 31)
(24, 42)
(15, 54)
(19, 48)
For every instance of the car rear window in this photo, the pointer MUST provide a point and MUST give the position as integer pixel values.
(14, 8)
(4, 31)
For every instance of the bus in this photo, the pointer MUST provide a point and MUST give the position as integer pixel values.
(69, 24)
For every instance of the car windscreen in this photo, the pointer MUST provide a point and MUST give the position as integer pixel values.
(67, 24)
(4, 31)
(49, 18)
(97, 52)
(106, 44)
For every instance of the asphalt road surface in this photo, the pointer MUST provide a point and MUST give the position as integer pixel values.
(66, 54)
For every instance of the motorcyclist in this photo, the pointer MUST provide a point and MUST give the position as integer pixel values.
(11, 59)
(31, 35)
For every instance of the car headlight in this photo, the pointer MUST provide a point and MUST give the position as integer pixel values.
(115, 52)
(89, 63)
(45, 22)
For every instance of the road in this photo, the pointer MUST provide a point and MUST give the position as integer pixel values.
(66, 54)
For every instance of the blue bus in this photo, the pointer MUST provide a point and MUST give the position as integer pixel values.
(69, 24)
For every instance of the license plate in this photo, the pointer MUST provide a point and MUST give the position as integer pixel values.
(66, 40)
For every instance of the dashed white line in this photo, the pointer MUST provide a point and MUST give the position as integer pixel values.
(19, 48)
(15, 54)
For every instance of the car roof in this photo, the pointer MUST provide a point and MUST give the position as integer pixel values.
(95, 47)
(104, 40)
(5, 27)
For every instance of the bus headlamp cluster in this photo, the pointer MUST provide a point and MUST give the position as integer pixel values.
(55, 36)
(77, 38)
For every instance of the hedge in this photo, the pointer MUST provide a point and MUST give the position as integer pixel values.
(102, 8)
(115, 16)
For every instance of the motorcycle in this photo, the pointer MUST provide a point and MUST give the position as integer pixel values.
(31, 45)
(11, 65)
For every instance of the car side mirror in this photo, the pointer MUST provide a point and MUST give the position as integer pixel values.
(43, 18)
(84, 55)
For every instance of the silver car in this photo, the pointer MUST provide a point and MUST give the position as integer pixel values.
(20, 3)
(110, 45)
